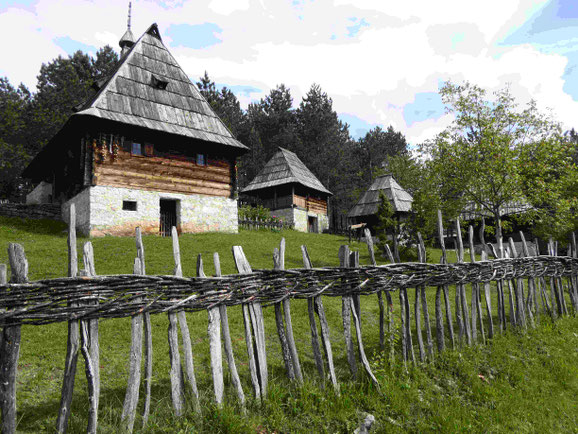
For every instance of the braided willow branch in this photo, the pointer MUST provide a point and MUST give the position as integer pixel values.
(64, 299)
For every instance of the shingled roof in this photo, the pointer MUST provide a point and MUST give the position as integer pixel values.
(285, 167)
(400, 199)
(149, 89)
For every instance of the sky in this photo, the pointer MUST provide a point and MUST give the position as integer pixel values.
(381, 61)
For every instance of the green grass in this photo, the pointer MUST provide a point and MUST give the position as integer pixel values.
(530, 381)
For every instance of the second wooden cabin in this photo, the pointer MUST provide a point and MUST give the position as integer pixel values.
(292, 193)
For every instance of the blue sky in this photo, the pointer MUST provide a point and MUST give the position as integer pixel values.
(381, 62)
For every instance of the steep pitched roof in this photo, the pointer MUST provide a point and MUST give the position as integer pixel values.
(149, 89)
(285, 168)
(400, 199)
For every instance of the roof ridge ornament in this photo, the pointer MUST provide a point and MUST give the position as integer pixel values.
(127, 40)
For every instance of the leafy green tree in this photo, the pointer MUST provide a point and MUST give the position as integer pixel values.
(13, 159)
(478, 159)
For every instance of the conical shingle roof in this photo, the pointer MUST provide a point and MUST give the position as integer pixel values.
(150, 90)
(368, 204)
(285, 167)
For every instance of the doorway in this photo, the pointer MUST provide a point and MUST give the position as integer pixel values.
(168, 216)
(312, 224)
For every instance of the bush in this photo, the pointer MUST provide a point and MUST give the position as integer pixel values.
(259, 212)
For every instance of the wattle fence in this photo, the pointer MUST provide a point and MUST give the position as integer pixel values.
(525, 287)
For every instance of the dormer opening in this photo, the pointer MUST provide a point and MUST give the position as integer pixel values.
(158, 83)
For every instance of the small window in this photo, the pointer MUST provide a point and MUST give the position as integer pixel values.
(129, 205)
(201, 160)
(136, 149)
(149, 149)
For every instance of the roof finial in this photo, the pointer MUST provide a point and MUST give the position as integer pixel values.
(127, 39)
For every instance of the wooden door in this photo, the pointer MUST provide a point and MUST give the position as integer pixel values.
(312, 224)
(168, 216)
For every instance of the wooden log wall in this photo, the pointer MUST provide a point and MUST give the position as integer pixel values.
(312, 204)
(175, 175)
(558, 294)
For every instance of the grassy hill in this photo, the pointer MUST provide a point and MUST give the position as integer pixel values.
(519, 382)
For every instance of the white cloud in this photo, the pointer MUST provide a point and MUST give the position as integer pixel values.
(226, 7)
(408, 48)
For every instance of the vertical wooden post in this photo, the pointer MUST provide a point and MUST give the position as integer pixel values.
(312, 324)
(426, 319)
(227, 343)
(11, 346)
(254, 331)
(180, 318)
(531, 301)
(90, 347)
(324, 326)
(519, 291)
(476, 307)
(3, 281)
(356, 313)
(135, 359)
(214, 332)
(461, 287)
(390, 322)
(73, 339)
(370, 249)
(446, 292)
(289, 346)
(346, 303)
(148, 339)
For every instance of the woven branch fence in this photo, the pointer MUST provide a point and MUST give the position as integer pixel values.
(525, 287)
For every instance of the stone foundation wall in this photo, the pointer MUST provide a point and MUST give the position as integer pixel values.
(106, 216)
(299, 218)
(31, 211)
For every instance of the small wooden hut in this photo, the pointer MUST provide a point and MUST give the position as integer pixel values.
(147, 150)
(289, 189)
(365, 210)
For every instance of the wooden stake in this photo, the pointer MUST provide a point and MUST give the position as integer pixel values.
(346, 306)
(73, 339)
(324, 326)
(148, 339)
(254, 330)
(445, 289)
(185, 334)
(476, 308)
(296, 365)
(90, 346)
(135, 359)
(227, 343)
(426, 319)
(370, 249)
(10, 350)
(312, 324)
(461, 288)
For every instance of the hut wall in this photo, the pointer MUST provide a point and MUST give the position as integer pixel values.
(105, 210)
(313, 204)
(300, 218)
(163, 174)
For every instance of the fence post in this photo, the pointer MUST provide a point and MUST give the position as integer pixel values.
(254, 332)
(323, 325)
(228, 345)
(73, 339)
(346, 315)
(135, 359)
(10, 350)
(446, 292)
(424, 305)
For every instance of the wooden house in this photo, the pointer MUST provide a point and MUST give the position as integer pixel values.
(365, 210)
(289, 189)
(146, 150)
